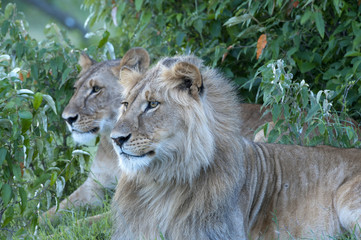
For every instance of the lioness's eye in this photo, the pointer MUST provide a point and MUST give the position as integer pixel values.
(96, 89)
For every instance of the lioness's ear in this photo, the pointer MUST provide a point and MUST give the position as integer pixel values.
(186, 77)
(136, 59)
(85, 62)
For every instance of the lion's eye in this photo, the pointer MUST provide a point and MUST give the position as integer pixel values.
(151, 105)
(125, 104)
(96, 89)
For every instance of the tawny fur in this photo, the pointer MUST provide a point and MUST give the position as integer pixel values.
(188, 174)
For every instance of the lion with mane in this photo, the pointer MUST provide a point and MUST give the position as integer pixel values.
(187, 172)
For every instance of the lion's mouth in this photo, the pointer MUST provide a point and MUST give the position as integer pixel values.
(148, 154)
(93, 131)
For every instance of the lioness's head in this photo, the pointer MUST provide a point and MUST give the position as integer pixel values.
(165, 125)
(93, 109)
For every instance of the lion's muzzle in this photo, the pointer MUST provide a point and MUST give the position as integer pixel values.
(121, 140)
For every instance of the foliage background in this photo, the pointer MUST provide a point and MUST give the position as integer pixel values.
(318, 80)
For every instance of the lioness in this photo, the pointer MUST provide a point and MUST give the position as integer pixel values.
(188, 174)
(92, 111)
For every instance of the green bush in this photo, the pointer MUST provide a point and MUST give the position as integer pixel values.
(300, 116)
(36, 160)
(320, 40)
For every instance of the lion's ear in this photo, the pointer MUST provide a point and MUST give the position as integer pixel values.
(186, 77)
(136, 59)
(128, 77)
(85, 62)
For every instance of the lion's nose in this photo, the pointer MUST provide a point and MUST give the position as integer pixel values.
(71, 120)
(121, 140)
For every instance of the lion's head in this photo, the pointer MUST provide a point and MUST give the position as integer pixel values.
(167, 125)
(93, 109)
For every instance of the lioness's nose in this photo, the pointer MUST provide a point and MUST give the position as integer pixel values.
(121, 140)
(71, 120)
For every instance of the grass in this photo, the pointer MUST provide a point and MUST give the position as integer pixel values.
(72, 226)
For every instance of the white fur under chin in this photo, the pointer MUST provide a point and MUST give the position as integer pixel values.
(131, 165)
(84, 138)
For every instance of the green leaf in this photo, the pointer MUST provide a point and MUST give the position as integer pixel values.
(19, 49)
(179, 38)
(4, 57)
(286, 111)
(79, 152)
(60, 184)
(39, 145)
(16, 170)
(34, 222)
(38, 98)
(3, 153)
(19, 155)
(9, 214)
(5, 27)
(138, 5)
(25, 125)
(350, 132)
(145, 19)
(104, 40)
(305, 66)
(353, 54)
(304, 96)
(6, 194)
(273, 135)
(158, 4)
(50, 101)
(276, 112)
(64, 76)
(237, 20)
(337, 5)
(306, 16)
(24, 198)
(9, 9)
(34, 71)
(320, 23)
(215, 29)
(53, 178)
(6, 124)
(321, 128)
(198, 25)
(312, 112)
(25, 115)
(250, 31)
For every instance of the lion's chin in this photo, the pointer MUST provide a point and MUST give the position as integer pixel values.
(132, 164)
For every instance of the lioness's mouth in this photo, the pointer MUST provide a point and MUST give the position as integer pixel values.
(94, 130)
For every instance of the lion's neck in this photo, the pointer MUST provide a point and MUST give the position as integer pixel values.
(149, 207)
(171, 203)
